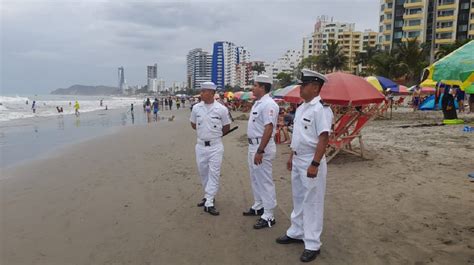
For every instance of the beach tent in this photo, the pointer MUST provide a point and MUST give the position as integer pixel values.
(457, 68)
(429, 103)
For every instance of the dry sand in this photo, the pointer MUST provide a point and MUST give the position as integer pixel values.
(129, 198)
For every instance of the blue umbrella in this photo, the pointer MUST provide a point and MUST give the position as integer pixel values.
(387, 83)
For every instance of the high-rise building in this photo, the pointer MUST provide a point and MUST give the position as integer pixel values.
(245, 74)
(121, 79)
(152, 77)
(355, 42)
(285, 64)
(406, 19)
(225, 57)
(352, 42)
(198, 68)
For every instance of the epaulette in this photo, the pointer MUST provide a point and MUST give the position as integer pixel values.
(324, 104)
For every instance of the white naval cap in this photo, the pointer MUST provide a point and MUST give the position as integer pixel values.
(208, 85)
(308, 76)
(264, 79)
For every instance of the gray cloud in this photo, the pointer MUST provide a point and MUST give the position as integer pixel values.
(48, 44)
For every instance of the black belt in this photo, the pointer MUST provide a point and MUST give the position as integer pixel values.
(294, 152)
(252, 142)
(207, 143)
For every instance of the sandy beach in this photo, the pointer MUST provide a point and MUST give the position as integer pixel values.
(130, 198)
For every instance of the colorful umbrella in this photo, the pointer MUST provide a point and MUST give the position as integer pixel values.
(238, 94)
(387, 83)
(374, 82)
(343, 89)
(470, 89)
(247, 96)
(229, 95)
(280, 93)
(457, 68)
(401, 90)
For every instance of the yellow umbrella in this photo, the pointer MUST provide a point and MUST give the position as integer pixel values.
(374, 82)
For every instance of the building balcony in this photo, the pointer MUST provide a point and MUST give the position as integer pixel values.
(413, 4)
(411, 28)
(413, 16)
(442, 30)
(388, 10)
(387, 21)
(387, 32)
(447, 6)
(387, 42)
(444, 41)
(471, 33)
(446, 18)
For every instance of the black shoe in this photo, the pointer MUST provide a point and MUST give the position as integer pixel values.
(201, 204)
(288, 240)
(253, 212)
(309, 255)
(262, 223)
(211, 210)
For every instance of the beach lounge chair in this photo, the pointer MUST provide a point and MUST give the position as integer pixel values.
(341, 140)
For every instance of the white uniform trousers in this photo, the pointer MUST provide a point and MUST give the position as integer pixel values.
(308, 201)
(261, 180)
(209, 160)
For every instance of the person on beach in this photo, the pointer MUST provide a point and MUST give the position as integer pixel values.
(261, 130)
(33, 106)
(460, 96)
(76, 108)
(148, 109)
(416, 98)
(307, 164)
(178, 103)
(26, 102)
(155, 109)
(166, 103)
(101, 103)
(161, 103)
(447, 103)
(170, 101)
(211, 121)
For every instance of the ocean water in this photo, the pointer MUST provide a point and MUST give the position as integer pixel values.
(16, 107)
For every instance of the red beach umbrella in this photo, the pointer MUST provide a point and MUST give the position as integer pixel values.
(343, 89)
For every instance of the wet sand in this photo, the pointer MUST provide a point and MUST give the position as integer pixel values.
(129, 198)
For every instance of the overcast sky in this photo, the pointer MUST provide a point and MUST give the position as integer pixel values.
(51, 44)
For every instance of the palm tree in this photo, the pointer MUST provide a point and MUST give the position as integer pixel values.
(413, 56)
(259, 68)
(365, 58)
(333, 57)
(309, 62)
(284, 79)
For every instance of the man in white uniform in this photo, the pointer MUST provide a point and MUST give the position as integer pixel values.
(211, 121)
(260, 131)
(307, 163)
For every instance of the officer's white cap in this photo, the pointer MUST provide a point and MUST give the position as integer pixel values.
(208, 85)
(264, 79)
(308, 76)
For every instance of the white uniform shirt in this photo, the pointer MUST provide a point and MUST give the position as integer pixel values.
(311, 120)
(264, 111)
(209, 120)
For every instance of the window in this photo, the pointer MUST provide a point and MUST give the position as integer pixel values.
(416, 22)
(310, 46)
(447, 35)
(389, 5)
(414, 11)
(381, 18)
(398, 35)
(465, 6)
(444, 24)
(382, 6)
(388, 27)
(389, 16)
(399, 12)
(387, 38)
(445, 13)
(398, 24)
(462, 28)
(445, 2)
(413, 34)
